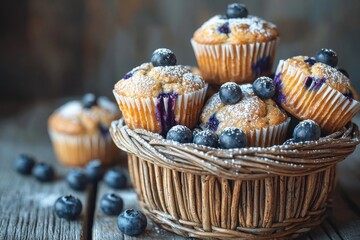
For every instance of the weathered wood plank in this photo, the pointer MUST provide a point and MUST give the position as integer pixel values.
(105, 227)
(26, 206)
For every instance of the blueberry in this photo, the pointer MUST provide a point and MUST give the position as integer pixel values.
(236, 10)
(206, 138)
(93, 170)
(68, 207)
(327, 56)
(232, 137)
(111, 204)
(224, 28)
(132, 222)
(43, 172)
(264, 87)
(24, 164)
(180, 133)
(77, 179)
(307, 130)
(230, 93)
(163, 57)
(343, 71)
(89, 100)
(115, 178)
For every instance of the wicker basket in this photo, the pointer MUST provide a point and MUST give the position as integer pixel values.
(274, 192)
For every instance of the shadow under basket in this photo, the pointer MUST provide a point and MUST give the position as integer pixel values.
(259, 193)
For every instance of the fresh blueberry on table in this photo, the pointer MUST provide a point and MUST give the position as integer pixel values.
(163, 57)
(206, 138)
(230, 93)
(89, 100)
(264, 87)
(307, 130)
(115, 178)
(236, 10)
(111, 204)
(327, 56)
(68, 207)
(77, 179)
(43, 172)
(93, 170)
(24, 164)
(132, 222)
(232, 137)
(180, 133)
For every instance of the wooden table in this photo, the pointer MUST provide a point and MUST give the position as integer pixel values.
(26, 206)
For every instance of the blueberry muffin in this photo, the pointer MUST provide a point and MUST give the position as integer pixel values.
(235, 47)
(260, 118)
(312, 88)
(79, 131)
(159, 95)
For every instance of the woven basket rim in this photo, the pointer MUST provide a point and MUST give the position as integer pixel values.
(288, 160)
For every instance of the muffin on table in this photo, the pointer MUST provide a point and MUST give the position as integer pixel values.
(312, 88)
(159, 95)
(257, 115)
(79, 131)
(235, 47)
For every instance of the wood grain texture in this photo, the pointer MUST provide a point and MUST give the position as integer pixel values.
(105, 227)
(26, 206)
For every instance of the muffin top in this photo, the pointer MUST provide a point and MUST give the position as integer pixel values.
(149, 81)
(75, 118)
(250, 113)
(319, 73)
(220, 29)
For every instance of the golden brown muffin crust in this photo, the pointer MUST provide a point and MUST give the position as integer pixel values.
(333, 78)
(73, 119)
(148, 81)
(240, 31)
(250, 113)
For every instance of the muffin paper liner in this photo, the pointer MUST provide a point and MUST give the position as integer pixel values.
(326, 106)
(220, 63)
(272, 135)
(78, 150)
(140, 113)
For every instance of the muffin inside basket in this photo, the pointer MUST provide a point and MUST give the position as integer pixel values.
(257, 192)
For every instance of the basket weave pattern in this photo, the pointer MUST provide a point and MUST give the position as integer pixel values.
(194, 191)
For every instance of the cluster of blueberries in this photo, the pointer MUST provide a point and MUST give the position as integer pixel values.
(231, 137)
(131, 222)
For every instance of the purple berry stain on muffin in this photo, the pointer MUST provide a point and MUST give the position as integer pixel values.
(213, 123)
(104, 131)
(349, 95)
(165, 111)
(262, 65)
(128, 75)
(313, 83)
(279, 96)
(224, 28)
(310, 61)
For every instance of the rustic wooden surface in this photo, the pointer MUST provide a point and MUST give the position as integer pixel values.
(26, 206)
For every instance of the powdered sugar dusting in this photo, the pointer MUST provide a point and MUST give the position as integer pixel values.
(70, 109)
(250, 24)
(163, 51)
(172, 71)
(332, 74)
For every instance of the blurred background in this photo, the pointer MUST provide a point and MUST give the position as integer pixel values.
(56, 49)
